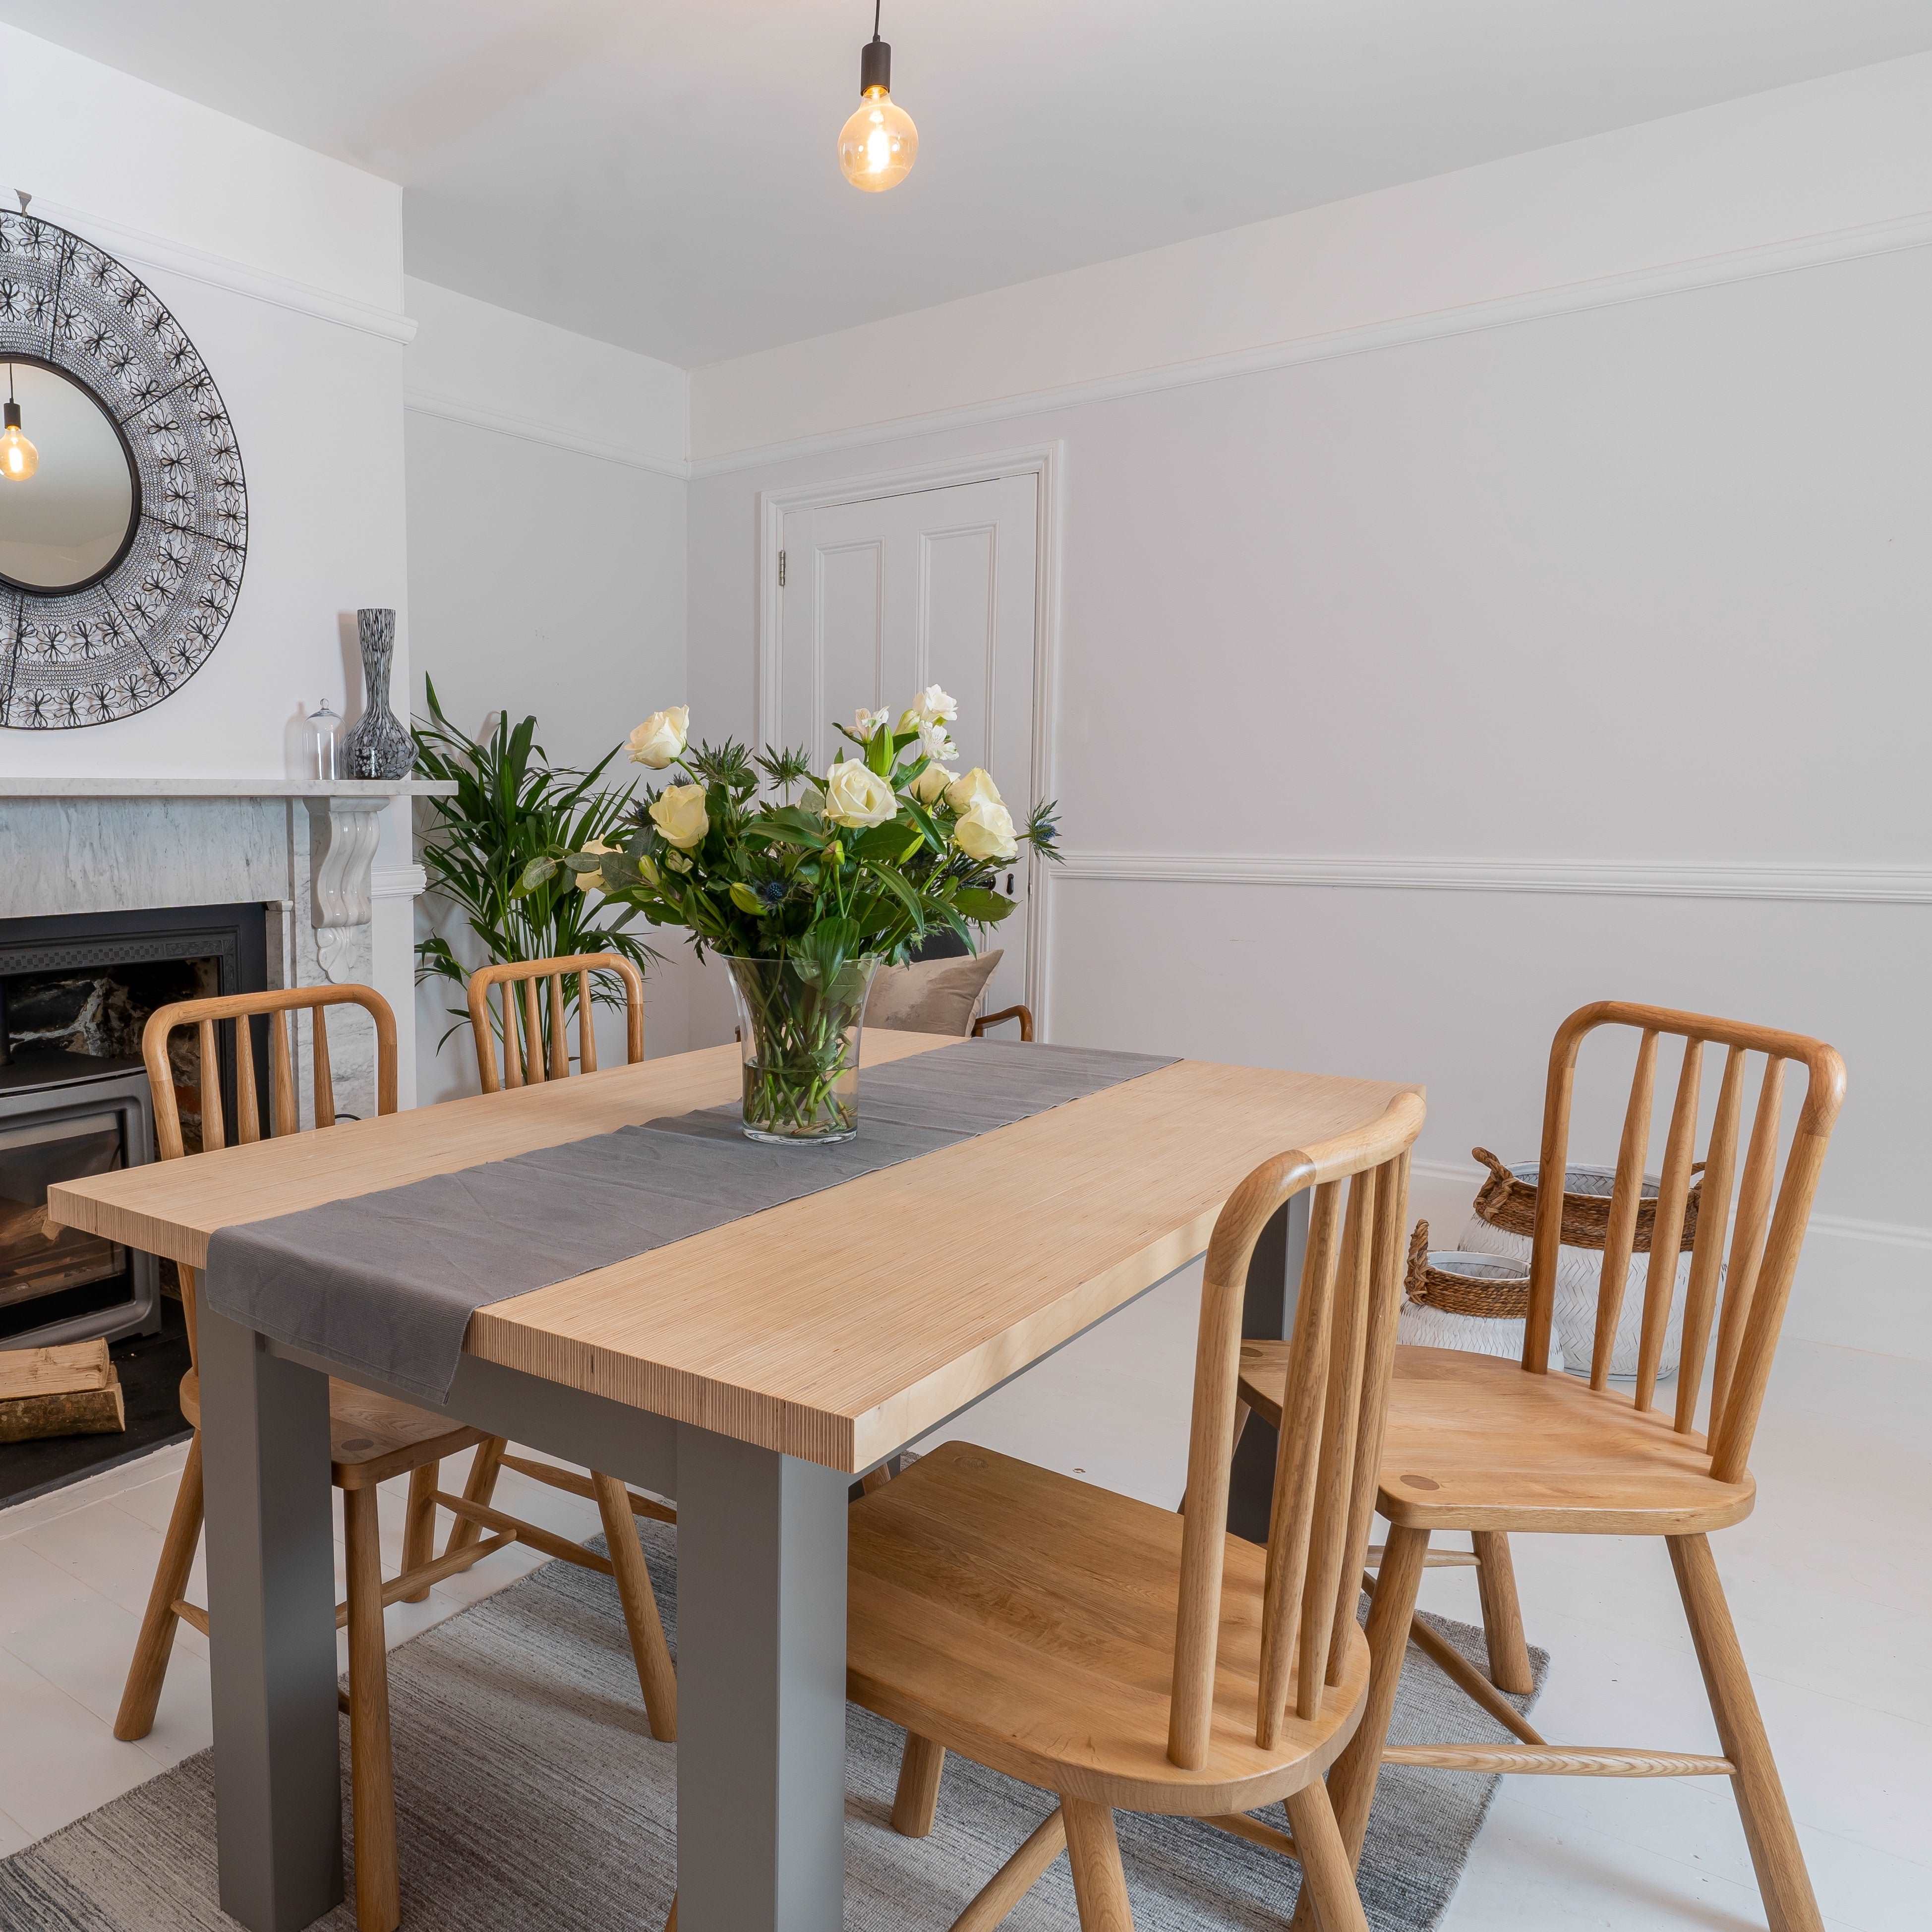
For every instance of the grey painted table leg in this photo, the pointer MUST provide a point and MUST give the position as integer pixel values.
(760, 1690)
(271, 1615)
(1268, 1312)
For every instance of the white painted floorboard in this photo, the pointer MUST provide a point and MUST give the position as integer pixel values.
(1829, 1582)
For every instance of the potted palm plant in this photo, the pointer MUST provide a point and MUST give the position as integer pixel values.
(510, 804)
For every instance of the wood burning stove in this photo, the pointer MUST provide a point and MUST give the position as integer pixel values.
(75, 992)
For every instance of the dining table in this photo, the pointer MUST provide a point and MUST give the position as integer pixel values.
(750, 1371)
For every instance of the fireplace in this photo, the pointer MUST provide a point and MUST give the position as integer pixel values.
(75, 990)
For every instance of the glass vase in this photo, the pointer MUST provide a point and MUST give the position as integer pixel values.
(799, 1033)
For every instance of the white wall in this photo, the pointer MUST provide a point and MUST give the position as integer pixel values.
(285, 268)
(1735, 190)
(1564, 614)
(547, 540)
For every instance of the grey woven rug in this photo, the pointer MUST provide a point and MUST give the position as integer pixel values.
(533, 1798)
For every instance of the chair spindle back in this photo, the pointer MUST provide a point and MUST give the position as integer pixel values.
(1769, 1230)
(544, 1053)
(1333, 1407)
(239, 1010)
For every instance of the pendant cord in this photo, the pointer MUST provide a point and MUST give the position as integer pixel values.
(876, 5)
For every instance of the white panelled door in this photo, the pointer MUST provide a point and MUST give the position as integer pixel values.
(881, 598)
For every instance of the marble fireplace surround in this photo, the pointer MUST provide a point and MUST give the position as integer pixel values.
(306, 850)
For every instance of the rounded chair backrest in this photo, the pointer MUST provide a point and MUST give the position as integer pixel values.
(545, 1052)
(1333, 1406)
(240, 1011)
(207, 1016)
(1771, 1212)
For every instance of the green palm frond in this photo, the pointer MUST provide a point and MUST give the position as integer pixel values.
(512, 805)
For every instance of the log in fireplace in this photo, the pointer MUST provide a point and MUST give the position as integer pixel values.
(75, 990)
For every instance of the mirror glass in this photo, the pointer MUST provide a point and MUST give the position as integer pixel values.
(62, 525)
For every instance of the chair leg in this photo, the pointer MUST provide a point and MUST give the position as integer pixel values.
(1327, 1871)
(1099, 1884)
(1502, 1614)
(998, 1899)
(419, 1523)
(482, 1486)
(917, 1798)
(1351, 1779)
(655, 1677)
(1789, 1904)
(148, 1670)
(372, 1768)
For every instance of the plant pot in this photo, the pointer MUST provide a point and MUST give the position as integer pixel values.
(799, 1033)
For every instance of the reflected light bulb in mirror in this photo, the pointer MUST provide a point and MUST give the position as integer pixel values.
(19, 458)
(877, 146)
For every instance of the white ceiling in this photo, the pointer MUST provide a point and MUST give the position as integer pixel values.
(661, 173)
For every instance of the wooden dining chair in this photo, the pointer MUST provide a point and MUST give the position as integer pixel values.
(986, 1022)
(543, 1051)
(543, 1055)
(1125, 1658)
(372, 1437)
(1477, 1444)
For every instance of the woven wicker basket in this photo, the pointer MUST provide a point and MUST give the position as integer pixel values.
(1507, 1200)
(1486, 1284)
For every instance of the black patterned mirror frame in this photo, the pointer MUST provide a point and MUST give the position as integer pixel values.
(137, 632)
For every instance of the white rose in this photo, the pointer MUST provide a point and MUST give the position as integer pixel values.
(856, 797)
(661, 737)
(985, 832)
(931, 706)
(930, 786)
(975, 788)
(593, 881)
(678, 811)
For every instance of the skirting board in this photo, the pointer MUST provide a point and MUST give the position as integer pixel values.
(1861, 1284)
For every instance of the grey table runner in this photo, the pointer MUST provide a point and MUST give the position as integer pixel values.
(387, 1281)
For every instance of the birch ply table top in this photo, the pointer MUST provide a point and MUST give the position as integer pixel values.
(836, 1328)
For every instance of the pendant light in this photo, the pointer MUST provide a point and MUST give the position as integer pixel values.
(878, 146)
(19, 458)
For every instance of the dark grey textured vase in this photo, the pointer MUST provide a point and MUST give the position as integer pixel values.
(377, 746)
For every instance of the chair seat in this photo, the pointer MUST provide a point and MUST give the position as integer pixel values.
(1027, 1621)
(1473, 1442)
(371, 1437)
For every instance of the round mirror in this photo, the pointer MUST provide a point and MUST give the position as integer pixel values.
(67, 520)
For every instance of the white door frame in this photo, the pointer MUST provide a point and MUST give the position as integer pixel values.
(1046, 463)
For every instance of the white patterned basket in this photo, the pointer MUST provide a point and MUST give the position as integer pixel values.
(1420, 1325)
(1578, 1270)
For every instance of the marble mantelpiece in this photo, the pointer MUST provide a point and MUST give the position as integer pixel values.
(179, 787)
(305, 849)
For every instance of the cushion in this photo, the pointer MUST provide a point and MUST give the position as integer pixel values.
(930, 995)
